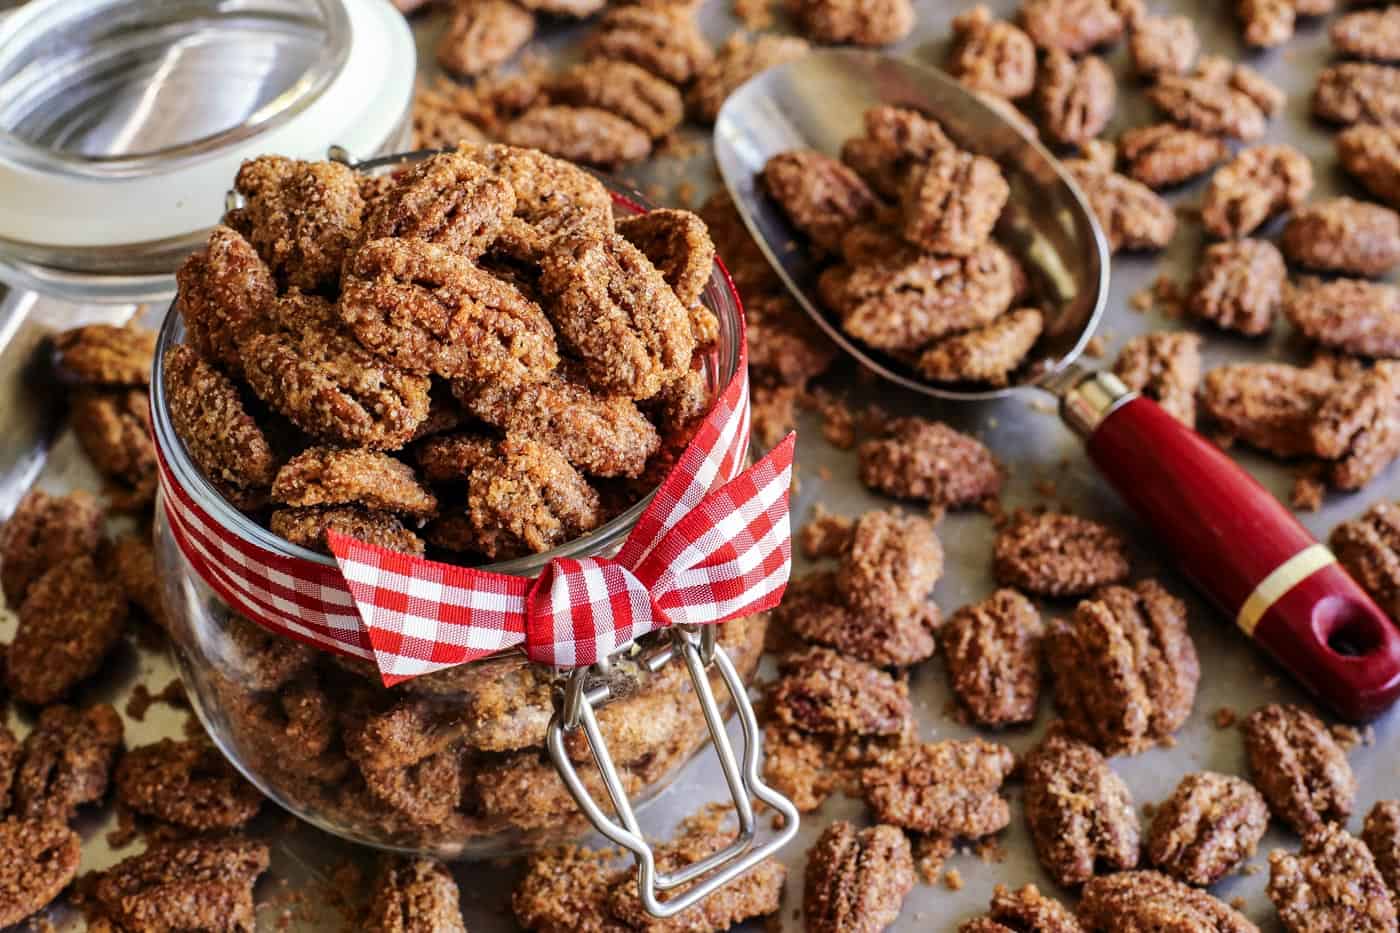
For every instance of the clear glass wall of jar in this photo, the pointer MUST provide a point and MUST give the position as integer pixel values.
(450, 764)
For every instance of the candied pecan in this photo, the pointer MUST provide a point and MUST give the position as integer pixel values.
(1075, 97)
(1332, 884)
(413, 895)
(947, 789)
(1147, 900)
(783, 341)
(1298, 766)
(114, 430)
(821, 691)
(905, 305)
(1163, 45)
(200, 884)
(613, 307)
(928, 460)
(439, 124)
(885, 635)
(820, 196)
(66, 762)
(1073, 26)
(105, 355)
(1358, 425)
(1358, 92)
(1056, 554)
(70, 619)
(896, 140)
(622, 88)
(1025, 911)
(1166, 367)
(302, 217)
(316, 374)
(601, 435)
(1125, 667)
(1218, 98)
(1164, 154)
(1368, 546)
(224, 289)
(951, 203)
(586, 135)
(1349, 315)
(41, 858)
(1210, 824)
(1268, 405)
(482, 35)
(1343, 235)
(43, 532)
(1239, 286)
(1266, 23)
(1371, 155)
(1382, 836)
(529, 500)
(1370, 34)
(739, 59)
(447, 199)
(1257, 184)
(426, 310)
(991, 55)
(856, 880)
(566, 891)
(1132, 215)
(892, 563)
(679, 246)
(307, 527)
(268, 661)
(187, 783)
(858, 22)
(987, 354)
(553, 199)
(1079, 811)
(663, 38)
(449, 457)
(992, 652)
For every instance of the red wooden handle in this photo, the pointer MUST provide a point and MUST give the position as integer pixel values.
(1239, 544)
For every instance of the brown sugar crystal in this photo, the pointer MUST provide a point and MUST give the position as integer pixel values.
(349, 476)
(105, 355)
(948, 789)
(739, 59)
(1132, 215)
(992, 652)
(482, 35)
(988, 354)
(1210, 824)
(200, 884)
(1163, 154)
(1331, 884)
(41, 858)
(1298, 766)
(585, 135)
(413, 895)
(858, 22)
(1075, 97)
(857, 880)
(1271, 406)
(1166, 367)
(1257, 184)
(1147, 900)
(45, 531)
(1080, 812)
(1343, 235)
(821, 196)
(1163, 45)
(1055, 554)
(1358, 92)
(952, 202)
(1073, 26)
(822, 692)
(991, 55)
(929, 461)
(187, 783)
(1382, 836)
(1371, 155)
(1368, 546)
(66, 761)
(1239, 286)
(1125, 668)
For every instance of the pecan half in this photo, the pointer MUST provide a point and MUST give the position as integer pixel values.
(949, 789)
(482, 35)
(188, 783)
(992, 652)
(1075, 97)
(1073, 26)
(1257, 184)
(1298, 766)
(43, 531)
(990, 55)
(1165, 366)
(66, 762)
(917, 458)
(1371, 155)
(1239, 286)
(448, 200)
(223, 292)
(413, 895)
(193, 885)
(859, 22)
(1358, 92)
(1146, 900)
(41, 858)
(951, 203)
(856, 879)
(662, 38)
(1268, 405)
(822, 197)
(1331, 884)
(1369, 548)
(1343, 235)
(988, 354)
(70, 620)
(823, 692)
(1055, 554)
(1079, 811)
(586, 135)
(622, 88)
(1209, 825)
(1133, 216)
(739, 59)
(1163, 45)
(1164, 154)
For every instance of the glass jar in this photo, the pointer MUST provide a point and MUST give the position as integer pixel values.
(451, 764)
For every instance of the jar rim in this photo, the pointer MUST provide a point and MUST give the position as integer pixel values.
(720, 296)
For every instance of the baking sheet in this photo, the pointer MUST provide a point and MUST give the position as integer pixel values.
(306, 889)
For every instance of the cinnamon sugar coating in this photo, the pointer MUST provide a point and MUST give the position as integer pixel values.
(45, 531)
(990, 55)
(114, 430)
(816, 611)
(1331, 884)
(529, 500)
(822, 692)
(1239, 286)
(1358, 92)
(820, 196)
(586, 135)
(1269, 405)
(482, 35)
(679, 246)
(1349, 315)
(1075, 97)
(448, 200)
(199, 884)
(988, 354)
(1056, 554)
(662, 38)
(66, 762)
(930, 461)
(553, 200)
(992, 652)
(1080, 812)
(1382, 836)
(613, 307)
(413, 895)
(1298, 766)
(307, 527)
(41, 858)
(1358, 426)
(856, 880)
(1343, 235)
(1165, 366)
(891, 565)
(1146, 900)
(1258, 183)
(423, 308)
(1208, 826)
(1219, 97)
(1371, 155)
(1368, 546)
(858, 22)
(949, 790)
(301, 217)
(1073, 26)
(105, 355)
(628, 91)
(70, 620)
(1133, 216)
(739, 59)
(224, 291)
(952, 202)
(187, 783)
(1125, 667)
(1163, 155)
(896, 140)
(1163, 45)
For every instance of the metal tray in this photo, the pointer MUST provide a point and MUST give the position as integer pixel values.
(304, 890)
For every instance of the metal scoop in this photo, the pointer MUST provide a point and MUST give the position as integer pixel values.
(1235, 541)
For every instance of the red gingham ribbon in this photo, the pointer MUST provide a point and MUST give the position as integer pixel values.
(713, 545)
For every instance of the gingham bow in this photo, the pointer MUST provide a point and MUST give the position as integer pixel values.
(713, 545)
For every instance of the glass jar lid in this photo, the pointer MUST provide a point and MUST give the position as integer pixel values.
(122, 120)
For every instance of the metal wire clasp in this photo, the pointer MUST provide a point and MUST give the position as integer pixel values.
(698, 648)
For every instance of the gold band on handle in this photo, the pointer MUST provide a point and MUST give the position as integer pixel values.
(1283, 578)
